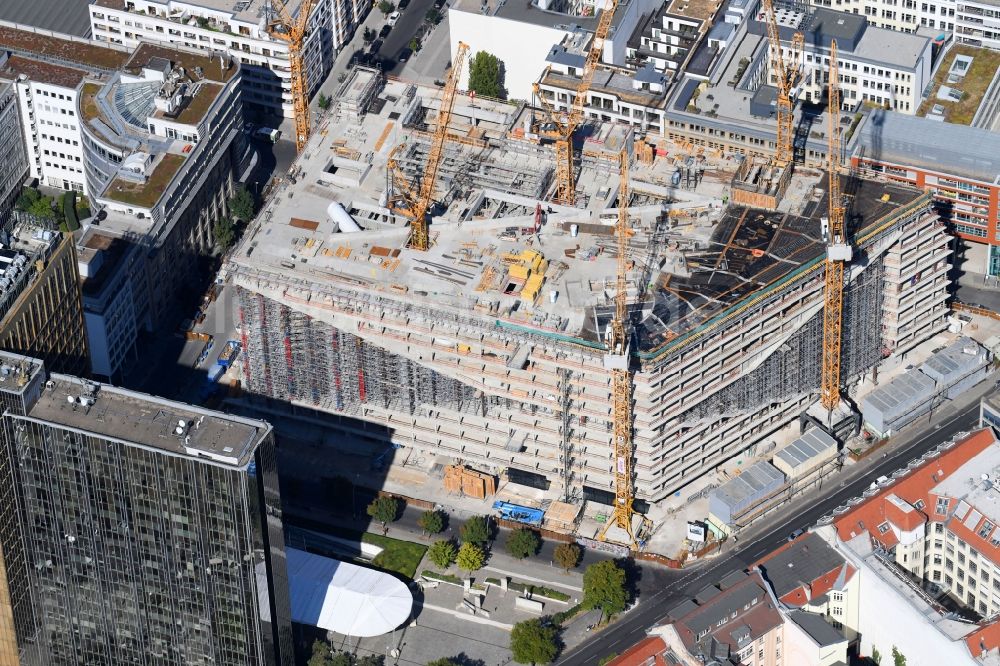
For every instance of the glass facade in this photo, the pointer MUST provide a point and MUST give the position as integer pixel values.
(139, 555)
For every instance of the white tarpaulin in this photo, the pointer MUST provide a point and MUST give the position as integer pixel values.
(345, 598)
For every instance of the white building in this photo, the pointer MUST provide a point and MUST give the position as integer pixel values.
(521, 34)
(877, 65)
(923, 543)
(238, 29)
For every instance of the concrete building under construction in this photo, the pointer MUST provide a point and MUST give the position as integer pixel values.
(488, 349)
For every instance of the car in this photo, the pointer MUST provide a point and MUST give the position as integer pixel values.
(796, 534)
(393, 17)
(384, 32)
(402, 4)
(405, 54)
(248, 128)
(375, 46)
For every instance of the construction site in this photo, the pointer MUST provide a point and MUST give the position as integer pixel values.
(490, 348)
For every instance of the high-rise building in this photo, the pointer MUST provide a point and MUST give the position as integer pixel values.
(238, 29)
(13, 158)
(41, 309)
(151, 530)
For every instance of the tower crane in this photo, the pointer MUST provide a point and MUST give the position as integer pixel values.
(567, 123)
(786, 73)
(617, 360)
(838, 251)
(417, 202)
(292, 30)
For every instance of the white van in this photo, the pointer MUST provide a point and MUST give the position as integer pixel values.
(267, 133)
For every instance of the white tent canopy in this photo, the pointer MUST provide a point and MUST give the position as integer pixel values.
(345, 598)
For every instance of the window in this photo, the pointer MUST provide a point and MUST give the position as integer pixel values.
(919, 505)
(939, 527)
(941, 507)
(838, 596)
(985, 530)
(883, 528)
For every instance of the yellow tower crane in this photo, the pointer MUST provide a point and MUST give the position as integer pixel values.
(786, 73)
(838, 251)
(292, 30)
(566, 123)
(618, 361)
(417, 202)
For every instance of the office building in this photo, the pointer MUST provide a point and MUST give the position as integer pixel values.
(13, 156)
(151, 530)
(41, 309)
(239, 30)
(153, 138)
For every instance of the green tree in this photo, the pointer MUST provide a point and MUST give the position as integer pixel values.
(225, 232)
(369, 35)
(485, 75)
(898, 659)
(432, 15)
(604, 587)
(320, 654)
(386, 7)
(414, 44)
(523, 542)
(27, 198)
(241, 205)
(476, 530)
(42, 208)
(876, 656)
(324, 101)
(567, 555)
(70, 220)
(443, 553)
(531, 642)
(471, 557)
(371, 660)
(384, 510)
(431, 522)
(442, 662)
(342, 659)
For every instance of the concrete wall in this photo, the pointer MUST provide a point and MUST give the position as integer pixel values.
(521, 47)
(799, 648)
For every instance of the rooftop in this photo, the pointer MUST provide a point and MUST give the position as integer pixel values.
(818, 629)
(72, 51)
(218, 69)
(804, 569)
(813, 443)
(971, 86)
(41, 72)
(16, 372)
(68, 18)
(146, 194)
(250, 11)
(967, 152)
(144, 420)
(527, 11)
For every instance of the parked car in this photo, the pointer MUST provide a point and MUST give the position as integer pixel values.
(393, 17)
(796, 534)
(405, 54)
(403, 3)
(375, 46)
(384, 32)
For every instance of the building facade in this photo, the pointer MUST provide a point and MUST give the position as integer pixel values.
(41, 308)
(957, 163)
(151, 530)
(13, 156)
(240, 31)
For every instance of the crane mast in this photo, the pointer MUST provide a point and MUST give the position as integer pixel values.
(565, 127)
(617, 361)
(786, 73)
(838, 250)
(293, 31)
(418, 201)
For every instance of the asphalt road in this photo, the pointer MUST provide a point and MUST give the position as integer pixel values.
(406, 27)
(652, 610)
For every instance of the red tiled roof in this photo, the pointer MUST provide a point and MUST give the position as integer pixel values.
(818, 587)
(638, 654)
(915, 486)
(905, 518)
(985, 638)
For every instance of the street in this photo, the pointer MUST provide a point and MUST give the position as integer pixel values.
(652, 610)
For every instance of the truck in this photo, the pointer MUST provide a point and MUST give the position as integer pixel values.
(229, 353)
(216, 372)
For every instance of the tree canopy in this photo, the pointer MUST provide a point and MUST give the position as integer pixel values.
(475, 530)
(604, 587)
(522, 543)
(225, 232)
(384, 509)
(567, 555)
(432, 522)
(442, 553)
(531, 642)
(242, 205)
(486, 75)
(471, 557)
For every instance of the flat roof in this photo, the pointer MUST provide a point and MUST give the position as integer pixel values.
(147, 193)
(755, 481)
(967, 483)
(817, 628)
(219, 69)
(17, 371)
(68, 50)
(145, 420)
(960, 150)
(244, 10)
(69, 17)
(813, 443)
(526, 11)
(42, 72)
